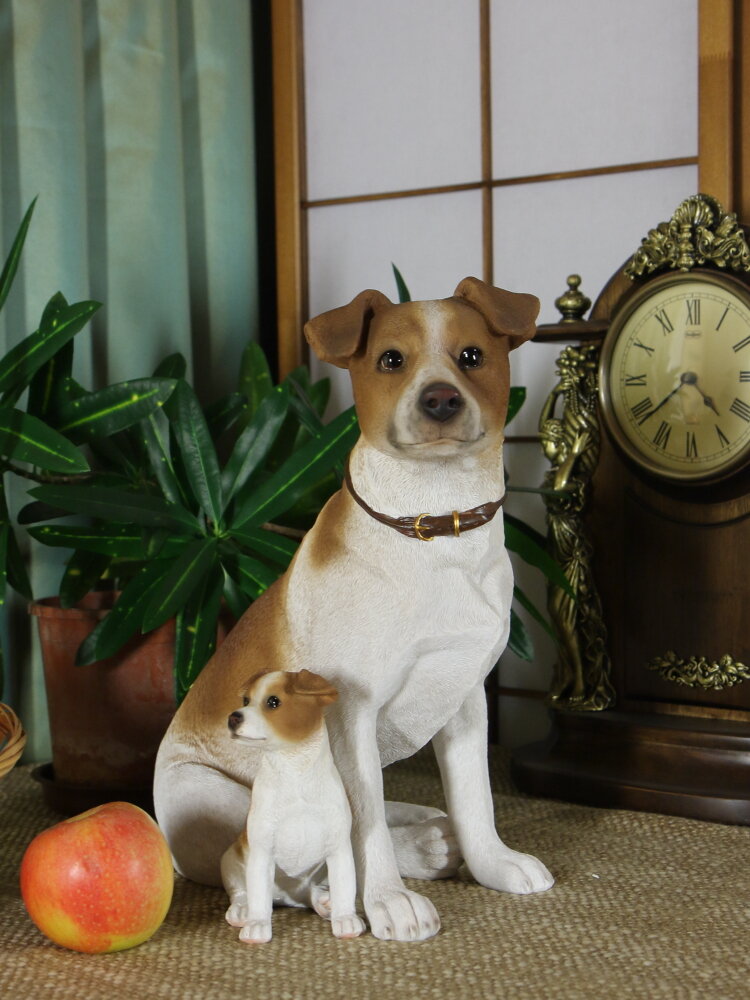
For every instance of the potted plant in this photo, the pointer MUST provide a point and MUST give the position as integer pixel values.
(179, 530)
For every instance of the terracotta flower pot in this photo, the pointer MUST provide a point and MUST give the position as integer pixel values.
(106, 719)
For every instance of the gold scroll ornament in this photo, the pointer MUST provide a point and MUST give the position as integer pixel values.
(570, 442)
(699, 672)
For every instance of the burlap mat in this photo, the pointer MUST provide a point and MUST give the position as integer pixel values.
(645, 907)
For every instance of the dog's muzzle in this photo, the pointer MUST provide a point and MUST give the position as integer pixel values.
(441, 401)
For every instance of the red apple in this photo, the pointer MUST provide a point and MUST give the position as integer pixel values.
(101, 881)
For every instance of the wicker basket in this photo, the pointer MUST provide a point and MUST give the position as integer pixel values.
(12, 739)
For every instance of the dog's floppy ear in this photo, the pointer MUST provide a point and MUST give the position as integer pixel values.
(510, 314)
(337, 335)
(308, 683)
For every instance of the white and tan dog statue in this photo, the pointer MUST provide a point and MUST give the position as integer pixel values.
(299, 818)
(405, 612)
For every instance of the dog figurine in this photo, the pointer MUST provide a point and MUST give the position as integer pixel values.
(405, 612)
(299, 816)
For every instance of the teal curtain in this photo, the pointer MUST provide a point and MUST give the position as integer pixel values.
(132, 121)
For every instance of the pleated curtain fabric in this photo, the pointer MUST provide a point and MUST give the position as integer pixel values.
(132, 121)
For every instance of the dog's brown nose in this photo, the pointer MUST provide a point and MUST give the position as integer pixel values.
(235, 720)
(441, 401)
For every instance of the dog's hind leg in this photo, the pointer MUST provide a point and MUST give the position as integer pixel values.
(201, 812)
(424, 842)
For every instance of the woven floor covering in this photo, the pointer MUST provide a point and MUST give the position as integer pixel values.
(645, 906)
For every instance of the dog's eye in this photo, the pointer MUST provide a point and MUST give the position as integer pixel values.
(272, 701)
(390, 361)
(470, 357)
(245, 702)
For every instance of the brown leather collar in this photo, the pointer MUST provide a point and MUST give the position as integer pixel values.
(426, 527)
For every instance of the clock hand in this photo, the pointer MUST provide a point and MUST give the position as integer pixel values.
(659, 405)
(690, 378)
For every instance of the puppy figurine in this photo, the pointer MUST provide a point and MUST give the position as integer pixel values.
(299, 815)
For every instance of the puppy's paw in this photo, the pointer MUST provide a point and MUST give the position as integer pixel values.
(401, 915)
(236, 915)
(256, 932)
(508, 871)
(349, 926)
(427, 850)
(320, 900)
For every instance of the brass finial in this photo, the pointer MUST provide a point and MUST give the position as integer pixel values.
(573, 303)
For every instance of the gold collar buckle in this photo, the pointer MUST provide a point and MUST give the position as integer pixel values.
(418, 529)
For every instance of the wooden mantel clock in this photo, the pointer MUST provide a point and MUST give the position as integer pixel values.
(648, 436)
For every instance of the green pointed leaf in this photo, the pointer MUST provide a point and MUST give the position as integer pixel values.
(114, 408)
(121, 506)
(268, 544)
(237, 601)
(516, 400)
(11, 264)
(174, 366)
(253, 577)
(185, 574)
(302, 470)
(255, 380)
(224, 412)
(82, 573)
(155, 431)
(24, 438)
(519, 641)
(18, 576)
(534, 611)
(126, 617)
(197, 450)
(403, 292)
(196, 632)
(114, 541)
(255, 441)
(529, 544)
(60, 322)
(43, 388)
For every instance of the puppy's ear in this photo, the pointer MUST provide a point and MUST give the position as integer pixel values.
(312, 685)
(509, 314)
(338, 334)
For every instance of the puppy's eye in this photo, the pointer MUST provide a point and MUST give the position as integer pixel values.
(390, 361)
(470, 357)
(245, 701)
(272, 702)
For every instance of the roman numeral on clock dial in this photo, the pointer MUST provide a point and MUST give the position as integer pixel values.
(661, 438)
(664, 321)
(642, 409)
(741, 409)
(693, 312)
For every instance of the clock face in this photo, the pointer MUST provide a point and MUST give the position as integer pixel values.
(675, 377)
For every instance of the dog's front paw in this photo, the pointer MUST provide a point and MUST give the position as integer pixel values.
(508, 871)
(349, 926)
(427, 850)
(256, 932)
(401, 915)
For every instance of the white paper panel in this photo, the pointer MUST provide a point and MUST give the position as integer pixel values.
(392, 95)
(435, 241)
(544, 232)
(585, 83)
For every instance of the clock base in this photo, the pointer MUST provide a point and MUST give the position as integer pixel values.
(678, 765)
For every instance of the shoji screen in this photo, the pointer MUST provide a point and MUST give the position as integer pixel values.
(517, 140)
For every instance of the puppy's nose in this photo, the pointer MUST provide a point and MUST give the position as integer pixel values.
(441, 401)
(235, 720)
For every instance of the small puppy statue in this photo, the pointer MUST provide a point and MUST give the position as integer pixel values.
(299, 816)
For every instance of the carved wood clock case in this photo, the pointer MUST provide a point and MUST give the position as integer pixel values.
(648, 436)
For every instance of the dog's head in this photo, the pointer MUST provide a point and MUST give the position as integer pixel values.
(430, 379)
(280, 708)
